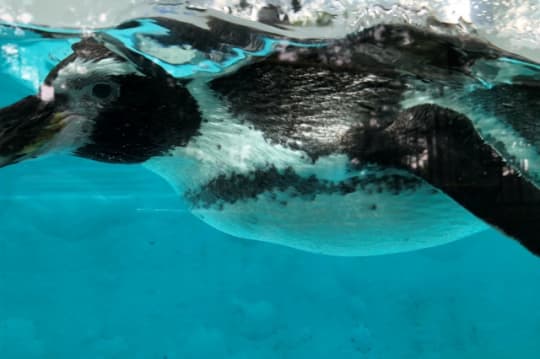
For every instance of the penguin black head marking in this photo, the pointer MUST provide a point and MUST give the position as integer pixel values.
(100, 104)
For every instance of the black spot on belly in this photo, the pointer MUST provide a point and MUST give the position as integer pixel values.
(280, 185)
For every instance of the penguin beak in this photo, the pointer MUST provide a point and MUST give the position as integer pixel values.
(25, 129)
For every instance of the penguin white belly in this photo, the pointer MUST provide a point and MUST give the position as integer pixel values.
(355, 224)
(238, 182)
(386, 212)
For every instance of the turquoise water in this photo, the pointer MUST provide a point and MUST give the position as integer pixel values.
(104, 261)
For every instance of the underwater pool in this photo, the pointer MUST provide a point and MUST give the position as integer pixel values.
(138, 277)
(105, 261)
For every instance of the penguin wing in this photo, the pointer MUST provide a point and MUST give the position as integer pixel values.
(444, 148)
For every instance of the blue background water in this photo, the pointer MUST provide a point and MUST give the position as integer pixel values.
(104, 261)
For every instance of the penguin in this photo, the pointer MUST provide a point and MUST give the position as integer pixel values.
(389, 140)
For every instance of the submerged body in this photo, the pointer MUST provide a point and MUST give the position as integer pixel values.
(385, 141)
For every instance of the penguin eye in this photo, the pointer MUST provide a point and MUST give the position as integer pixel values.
(102, 91)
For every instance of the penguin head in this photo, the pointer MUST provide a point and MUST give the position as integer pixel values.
(102, 102)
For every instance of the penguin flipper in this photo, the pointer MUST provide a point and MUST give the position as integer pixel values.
(443, 147)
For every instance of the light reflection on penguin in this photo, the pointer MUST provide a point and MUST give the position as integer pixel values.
(341, 149)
